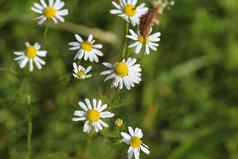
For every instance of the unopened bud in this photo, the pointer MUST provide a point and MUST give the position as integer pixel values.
(118, 122)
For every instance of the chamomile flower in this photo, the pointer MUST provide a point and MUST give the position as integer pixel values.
(86, 49)
(31, 55)
(134, 139)
(92, 113)
(125, 73)
(128, 10)
(144, 42)
(80, 72)
(51, 11)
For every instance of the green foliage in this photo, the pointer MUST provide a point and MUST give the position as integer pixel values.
(187, 104)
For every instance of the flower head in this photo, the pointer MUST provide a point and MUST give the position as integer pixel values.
(128, 10)
(146, 42)
(51, 11)
(31, 55)
(92, 113)
(86, 49)
(134, 139)
(80, 72)
(125, 73)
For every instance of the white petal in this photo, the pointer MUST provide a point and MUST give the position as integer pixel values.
(43, 3)
(18, 52)
(63, 12)
(138, 48)
(59, 4)
(103, 107)
(36, 10)
(19, 58)
(94, 103)
(78, 37)
(126, 136)
(99, 103)
(87, 128)
(42, 53)
(38, 65)
(88, 103)
(107, 114)
(79, 118)
(144, 149)
(40, 60)
(97, 46)
(138, 133)
(79, 113)
(38, 6)
(90, 38)
(23, 63)
(108, 65)
(83, 106)
(88, 69)
(51, 2)
(131, 131)
(115, 11)
(130, 153)
(103, 123)
(116, 5)
(137, 153)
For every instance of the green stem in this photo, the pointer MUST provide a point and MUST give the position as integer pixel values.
(125, 43)
(29, 132)
(45, 35)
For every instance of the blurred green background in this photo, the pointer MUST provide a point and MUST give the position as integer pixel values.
(187, 104)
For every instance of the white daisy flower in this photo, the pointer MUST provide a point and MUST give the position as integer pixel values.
(86, 49)
(125, 73)
(31, 55)
(134, 139)
(51, 11)
(144, 42)
(128, 10)
(80, 72)
(92, 113)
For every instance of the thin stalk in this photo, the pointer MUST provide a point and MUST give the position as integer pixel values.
(125, 43)
(29, 132)
(45, 34)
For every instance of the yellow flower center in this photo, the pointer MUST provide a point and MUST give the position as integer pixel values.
(81, 73)
(31, 52)
(129, 10)
(87, 46)
(142, 39)
(121, 69)
(50, 12)
(93, 116)
(135, 142)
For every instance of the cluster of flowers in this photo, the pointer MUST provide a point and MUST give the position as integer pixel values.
(125, 73)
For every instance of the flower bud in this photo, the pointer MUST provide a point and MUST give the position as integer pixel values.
(118, 123)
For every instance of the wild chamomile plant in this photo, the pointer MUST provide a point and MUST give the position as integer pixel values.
(92, 112)
(79, 72)
(86, 49)
(125, 73)
(51, 11)
(129, 10)
(33, 55)
(147, 42)
(134, 140)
